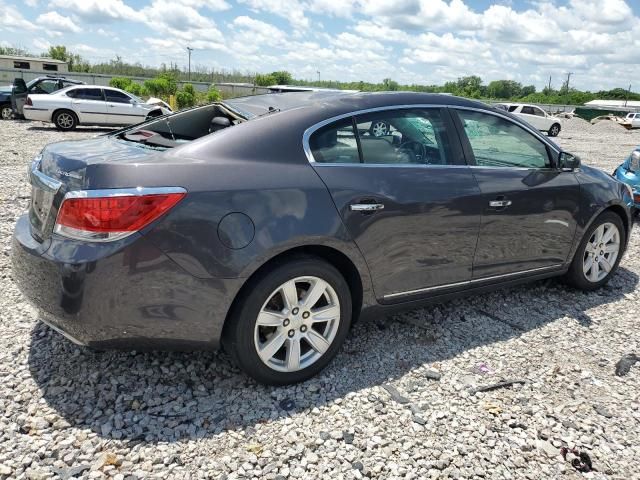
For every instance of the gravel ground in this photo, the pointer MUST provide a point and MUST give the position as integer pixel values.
(398, 402)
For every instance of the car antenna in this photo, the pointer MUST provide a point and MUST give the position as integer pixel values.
(271, 110)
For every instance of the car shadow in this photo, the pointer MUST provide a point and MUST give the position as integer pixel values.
(160, 396)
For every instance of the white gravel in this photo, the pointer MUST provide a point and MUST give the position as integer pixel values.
(396, 403)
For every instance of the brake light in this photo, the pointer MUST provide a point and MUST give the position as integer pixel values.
(110, 215)
(29, 102)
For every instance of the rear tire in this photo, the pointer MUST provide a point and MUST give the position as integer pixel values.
(65, 120)
(6, 112)
(554, 131)
(593, 264)
(281, 340)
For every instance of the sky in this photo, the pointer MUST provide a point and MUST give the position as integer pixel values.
(410, 41)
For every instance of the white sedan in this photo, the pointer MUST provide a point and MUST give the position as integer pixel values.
(89, 105)
(535, 116)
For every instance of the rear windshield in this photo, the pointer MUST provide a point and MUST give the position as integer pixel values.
(181, 127)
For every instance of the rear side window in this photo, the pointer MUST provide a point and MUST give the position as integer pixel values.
(405, 136)
(335, 143)
(86, 94)
(115, 96)
(392, 137)
(497, 142)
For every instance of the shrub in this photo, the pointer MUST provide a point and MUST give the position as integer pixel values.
(186, 97)
(120, 82)
(136, 89)
(213, 95)
(162, 86)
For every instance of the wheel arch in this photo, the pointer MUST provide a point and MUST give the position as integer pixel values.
(331, 255)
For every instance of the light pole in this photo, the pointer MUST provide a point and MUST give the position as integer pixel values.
(318, 72)
(189, 49)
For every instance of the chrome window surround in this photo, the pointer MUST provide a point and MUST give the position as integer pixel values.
(471, 282)
(73, 233)
(311, 130)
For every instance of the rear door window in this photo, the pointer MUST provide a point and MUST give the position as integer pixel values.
(88, 94)
(405, 136)
(335, 143)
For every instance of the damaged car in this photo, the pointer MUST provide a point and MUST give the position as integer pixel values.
(268, 225)
(629, 173)
(90, 105)
(13, 97)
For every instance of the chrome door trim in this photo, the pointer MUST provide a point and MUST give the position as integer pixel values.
(471, 282)
(309, 131)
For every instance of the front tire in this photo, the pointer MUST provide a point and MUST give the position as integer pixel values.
(290, 323)
(65, 120)
(379, 128)
(554, 131)
(598, 254)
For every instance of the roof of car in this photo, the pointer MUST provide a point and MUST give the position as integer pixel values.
(341, 102)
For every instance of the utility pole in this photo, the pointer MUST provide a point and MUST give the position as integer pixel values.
(318, 72)
(568, 80)
(628, 93)
(549, 89)
(189, 49)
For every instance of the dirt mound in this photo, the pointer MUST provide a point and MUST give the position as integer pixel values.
(609, 126)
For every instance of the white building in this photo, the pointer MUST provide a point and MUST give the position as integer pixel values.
(38, 64)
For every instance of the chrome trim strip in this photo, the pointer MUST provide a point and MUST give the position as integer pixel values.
(122, 192)
(309, 131)
(40, 180)
(471, 282)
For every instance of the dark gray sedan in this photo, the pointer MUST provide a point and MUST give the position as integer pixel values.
(269, 224)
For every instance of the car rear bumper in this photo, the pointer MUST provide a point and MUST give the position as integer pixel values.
(125, 294)
(39, 114)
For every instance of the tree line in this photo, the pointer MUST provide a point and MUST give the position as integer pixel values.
(471, 86)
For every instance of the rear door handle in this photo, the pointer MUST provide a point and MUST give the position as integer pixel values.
(366, 207)
(499, 203)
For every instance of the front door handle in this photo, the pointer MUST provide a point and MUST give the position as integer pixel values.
(499, 203)
(366, 207)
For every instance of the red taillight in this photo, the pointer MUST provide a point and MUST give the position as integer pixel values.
(111, 217)
(636, 198)
(29, 102)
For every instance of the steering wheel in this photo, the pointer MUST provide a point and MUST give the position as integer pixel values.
(416, 155)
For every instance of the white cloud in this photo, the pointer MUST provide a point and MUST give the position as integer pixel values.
(97, 11)
(12, 20)
(291, 10)
(53, 21)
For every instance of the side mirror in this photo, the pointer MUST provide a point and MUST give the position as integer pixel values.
(568, 161)
(634, 161)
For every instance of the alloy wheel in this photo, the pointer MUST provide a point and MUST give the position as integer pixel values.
(379, 129)
(601, 252)
(555, 131)
(297, 324)
(65, 120)
(6, 113)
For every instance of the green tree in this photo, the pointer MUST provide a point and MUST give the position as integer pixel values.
(120, 82)
(265, 80)
(504, 89)
(390, 85)
(282, 77)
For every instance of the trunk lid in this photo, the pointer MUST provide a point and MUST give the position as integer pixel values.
(63, 167)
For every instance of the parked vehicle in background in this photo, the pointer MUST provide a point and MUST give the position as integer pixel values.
(605, 118)
(13, 97)
(40, 86)
(266, 223)
(90, 105)
(535, 116)
(632, 120)
(629, 173)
